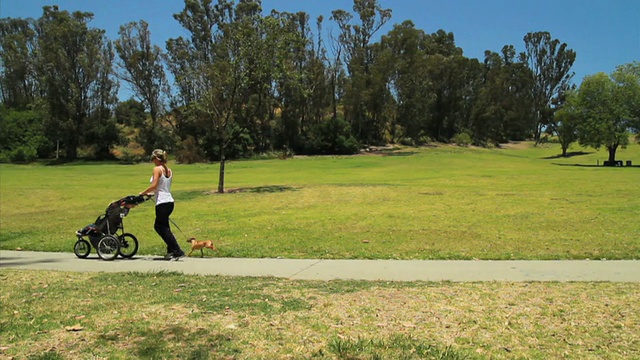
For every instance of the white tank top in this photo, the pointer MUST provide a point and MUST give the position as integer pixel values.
(163, 190)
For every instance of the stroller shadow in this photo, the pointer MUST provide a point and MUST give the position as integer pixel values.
(97, 258)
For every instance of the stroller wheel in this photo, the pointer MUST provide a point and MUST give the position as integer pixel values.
(82, 248)
(108, 247)
(128, 245)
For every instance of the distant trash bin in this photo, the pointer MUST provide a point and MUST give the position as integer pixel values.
(629, 163)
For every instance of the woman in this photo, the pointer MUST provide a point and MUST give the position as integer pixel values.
(161, 187)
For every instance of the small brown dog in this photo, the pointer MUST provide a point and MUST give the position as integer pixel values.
(200, 245)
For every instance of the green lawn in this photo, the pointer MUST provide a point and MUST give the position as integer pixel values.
(441, 202)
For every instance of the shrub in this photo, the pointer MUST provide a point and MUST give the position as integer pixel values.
(332, 137)
(462, 139)
(131, 153)
(189, 152)
(407, 141)
(425, 140)
(23, 154)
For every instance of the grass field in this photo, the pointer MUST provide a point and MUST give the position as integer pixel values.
(432, 203)
(443, 202)
(58, 315)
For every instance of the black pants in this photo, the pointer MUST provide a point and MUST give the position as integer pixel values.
(163, 229)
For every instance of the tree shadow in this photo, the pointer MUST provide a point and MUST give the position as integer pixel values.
(578, 165)
(188, 194)
(569, 155)
(399, 153)
(598, 166)
(262, 189)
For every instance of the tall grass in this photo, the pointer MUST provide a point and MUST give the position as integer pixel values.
(440, 202)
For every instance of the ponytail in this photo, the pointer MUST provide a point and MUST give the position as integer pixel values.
(162, 156)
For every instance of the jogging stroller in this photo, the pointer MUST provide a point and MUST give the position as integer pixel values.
(103, 233)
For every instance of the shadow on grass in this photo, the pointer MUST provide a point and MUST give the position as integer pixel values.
(155, 343)
(188, 195)
(262, 189)
(403, 153)
(597, 166)
(569, 155)
(83, 162)
(269, 189)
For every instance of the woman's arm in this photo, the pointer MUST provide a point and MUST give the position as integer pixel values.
(157, 172)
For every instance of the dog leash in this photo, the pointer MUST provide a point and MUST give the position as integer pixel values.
(177, 227)
(173, 222)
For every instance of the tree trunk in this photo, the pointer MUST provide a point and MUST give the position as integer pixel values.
(612, 154)
(538, 134)
(71, 153)
(71, 149)
(334, 101)
(221, 175)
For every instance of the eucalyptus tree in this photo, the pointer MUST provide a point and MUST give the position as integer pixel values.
(550, 62)
(74, 64)
(489, 108)
(502, 106)
(452, 78)
(102, 134)
(519, 99)
(222, 75)
(336, 72)
(320, 73)
(308, 93)
(293, 89)
(141, 66)
(249, 41)
(409, 82)
(21, 128)
(187, 59)
(362, 101)
(18, 46)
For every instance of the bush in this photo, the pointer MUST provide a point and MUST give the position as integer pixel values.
(131, 153)
(23, 154)
(407, 141)
(332, 137)
(189, 152)
(425, 140)
(462, 139)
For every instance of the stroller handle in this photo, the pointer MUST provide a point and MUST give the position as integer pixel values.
(132, 200)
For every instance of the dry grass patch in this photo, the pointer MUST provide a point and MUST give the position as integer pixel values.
(165, 315)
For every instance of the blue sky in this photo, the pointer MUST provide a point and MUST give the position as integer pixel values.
(604, 33)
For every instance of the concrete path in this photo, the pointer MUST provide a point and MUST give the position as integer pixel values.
(391, 270)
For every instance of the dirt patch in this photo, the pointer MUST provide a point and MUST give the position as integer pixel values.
(517, 145)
